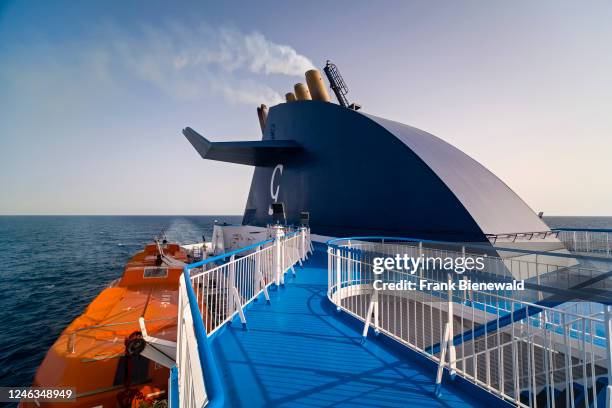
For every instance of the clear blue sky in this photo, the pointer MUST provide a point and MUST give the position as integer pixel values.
(93, 95)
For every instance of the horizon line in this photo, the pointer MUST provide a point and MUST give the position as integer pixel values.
(201, 215)
(121, 215)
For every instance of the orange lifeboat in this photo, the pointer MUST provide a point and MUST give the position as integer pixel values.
(100, 353)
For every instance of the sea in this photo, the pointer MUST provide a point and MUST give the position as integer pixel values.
(52, 267)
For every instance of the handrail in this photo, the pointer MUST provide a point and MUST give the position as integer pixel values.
(484, 246)
(583, 229)
(493, 325)
(570, 335)
(212, 377)
(595, 241)
(226, 254)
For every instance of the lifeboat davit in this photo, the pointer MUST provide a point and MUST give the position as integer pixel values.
(106, 353)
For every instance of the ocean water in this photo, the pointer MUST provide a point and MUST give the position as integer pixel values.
(52, 267)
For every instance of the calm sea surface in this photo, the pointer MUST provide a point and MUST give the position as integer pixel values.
(52, 267)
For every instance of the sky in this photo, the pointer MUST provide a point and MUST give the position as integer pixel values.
(94, 95)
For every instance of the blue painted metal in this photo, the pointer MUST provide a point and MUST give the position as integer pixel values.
(438, 390)
(212, 379)
(227, 254)
(484, 398)
(300, 352)
(173, 388)
(495, 324)
(450, 196)
(254, 153)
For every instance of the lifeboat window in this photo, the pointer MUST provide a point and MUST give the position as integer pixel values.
(155, 272)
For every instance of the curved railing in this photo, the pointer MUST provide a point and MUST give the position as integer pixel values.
(517, 345)
(597, 241)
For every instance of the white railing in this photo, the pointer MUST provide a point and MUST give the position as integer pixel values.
(191, 390)
(223, 291)
(590, 241)
(217, 290)
(510, 343)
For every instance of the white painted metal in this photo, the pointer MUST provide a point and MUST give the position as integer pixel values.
(608, 322)
(223, 291)
(372, 312)
(445, 339)
(278, 255)
(591, 242)
(192, 392)
(159, 350)
(553, 349)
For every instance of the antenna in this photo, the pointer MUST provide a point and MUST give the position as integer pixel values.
(338, 85)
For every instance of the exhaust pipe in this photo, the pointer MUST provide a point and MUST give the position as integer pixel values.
(301, 92)
(290, 97)
(316, 85)
(262, 114)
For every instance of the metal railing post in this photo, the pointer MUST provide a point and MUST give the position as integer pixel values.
(350, 265)
(608, 322)
(537, 347)
(303, 253)
(278, 255)
(330, 283)
(310, 247)
(338, 278)
(198, 377)
(587, 240)
(258, 275)
(260, 282)
(231, 279)
(451, 316)
(173, 387)
(372, 312)
(440, 372)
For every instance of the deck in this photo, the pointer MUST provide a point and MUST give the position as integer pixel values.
(298, 352)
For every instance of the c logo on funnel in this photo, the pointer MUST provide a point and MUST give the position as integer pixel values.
(274, 192)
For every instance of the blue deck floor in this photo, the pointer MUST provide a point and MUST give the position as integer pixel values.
(298, 352)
